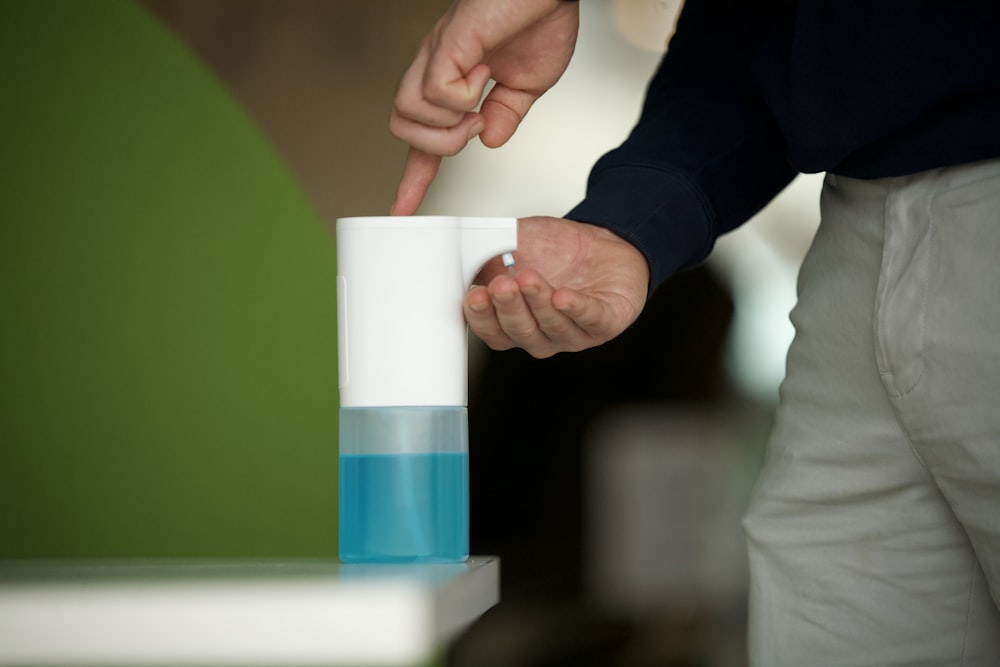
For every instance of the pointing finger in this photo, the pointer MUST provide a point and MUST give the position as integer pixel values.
(418, 173)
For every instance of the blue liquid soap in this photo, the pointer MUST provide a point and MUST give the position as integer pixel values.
(404, 507)
(404, 484)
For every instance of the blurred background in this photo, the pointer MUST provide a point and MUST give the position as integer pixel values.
(170, 176)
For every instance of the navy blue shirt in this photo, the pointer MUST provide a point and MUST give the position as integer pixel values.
(751, 93)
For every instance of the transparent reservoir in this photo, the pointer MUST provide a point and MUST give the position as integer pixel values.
(404, 484)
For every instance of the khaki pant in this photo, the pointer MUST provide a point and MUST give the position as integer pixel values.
(874, 530)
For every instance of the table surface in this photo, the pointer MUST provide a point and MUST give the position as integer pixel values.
(237, 612)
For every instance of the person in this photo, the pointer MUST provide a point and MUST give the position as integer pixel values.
(874, 528)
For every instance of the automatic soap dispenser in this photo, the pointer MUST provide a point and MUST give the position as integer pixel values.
(403, 367)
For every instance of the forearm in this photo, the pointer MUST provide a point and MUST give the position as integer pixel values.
(705, 155)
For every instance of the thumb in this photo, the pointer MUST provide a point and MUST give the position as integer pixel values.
(502, 111)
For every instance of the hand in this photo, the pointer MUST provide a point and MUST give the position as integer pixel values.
(573, 286)
(523, 45)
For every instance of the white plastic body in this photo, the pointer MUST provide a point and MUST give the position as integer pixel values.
(402, 338)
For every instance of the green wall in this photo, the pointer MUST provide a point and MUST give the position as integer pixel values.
(167, 315)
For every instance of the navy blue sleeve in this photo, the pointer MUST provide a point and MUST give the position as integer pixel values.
(705, 154)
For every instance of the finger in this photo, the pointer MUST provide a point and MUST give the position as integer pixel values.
(411, 103)
(438, 140)
(517, 319)
(591, 314)
(446, 86)
(418, 173)
(482, 319)
(424, 99)
(557, 327)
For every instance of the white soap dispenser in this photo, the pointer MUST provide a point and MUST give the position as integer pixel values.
(403, 366)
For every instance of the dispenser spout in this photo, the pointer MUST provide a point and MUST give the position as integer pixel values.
(484, 239)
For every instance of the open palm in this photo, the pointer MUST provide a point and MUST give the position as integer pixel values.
(574, 286)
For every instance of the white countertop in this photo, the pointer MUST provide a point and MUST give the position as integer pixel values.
(226, 612)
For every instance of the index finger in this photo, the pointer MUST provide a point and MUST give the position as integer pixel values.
(418, 173)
